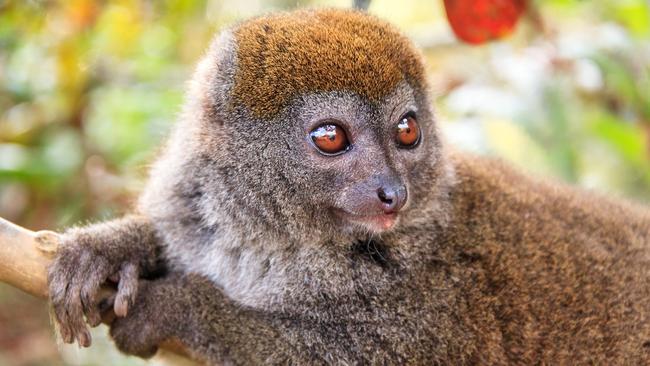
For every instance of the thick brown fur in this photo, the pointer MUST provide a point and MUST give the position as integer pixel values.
(484, 265)
(562, 273)
(286, 55)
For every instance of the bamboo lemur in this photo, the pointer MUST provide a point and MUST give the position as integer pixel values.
(307, 212)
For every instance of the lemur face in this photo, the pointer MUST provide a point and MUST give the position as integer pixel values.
(378, 192)
(366, 152)
(332, 108)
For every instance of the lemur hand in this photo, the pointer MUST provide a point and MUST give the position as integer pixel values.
(116, 251)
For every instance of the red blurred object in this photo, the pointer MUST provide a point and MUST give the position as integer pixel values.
(480, 21)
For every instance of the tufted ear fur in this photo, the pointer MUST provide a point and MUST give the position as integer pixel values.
(211, 85)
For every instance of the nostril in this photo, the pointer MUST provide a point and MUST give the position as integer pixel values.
(383, 197)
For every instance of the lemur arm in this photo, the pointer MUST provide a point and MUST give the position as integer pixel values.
(191, 310)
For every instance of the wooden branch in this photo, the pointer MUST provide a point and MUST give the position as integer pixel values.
(24, 258)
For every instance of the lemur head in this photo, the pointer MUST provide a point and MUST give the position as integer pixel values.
(315, 120)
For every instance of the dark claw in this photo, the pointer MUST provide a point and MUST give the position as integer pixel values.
(66, 333)
(84, 339)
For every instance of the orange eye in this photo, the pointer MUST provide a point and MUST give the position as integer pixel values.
(408, 131)
(330, 139)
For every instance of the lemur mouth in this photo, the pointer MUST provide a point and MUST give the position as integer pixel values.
(375, 222)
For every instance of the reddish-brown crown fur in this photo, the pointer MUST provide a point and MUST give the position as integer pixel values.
(284, 55)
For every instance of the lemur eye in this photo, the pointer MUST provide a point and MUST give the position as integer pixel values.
(408, 131)
(330, 139)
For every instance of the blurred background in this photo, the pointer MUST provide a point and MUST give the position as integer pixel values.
(89, 88)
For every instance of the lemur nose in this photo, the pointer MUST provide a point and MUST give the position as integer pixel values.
(392, 198)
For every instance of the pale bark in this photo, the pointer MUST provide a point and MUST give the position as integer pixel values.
(24, 257)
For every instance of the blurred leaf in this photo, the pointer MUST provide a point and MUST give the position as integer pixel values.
(122, 123)
(627, 139)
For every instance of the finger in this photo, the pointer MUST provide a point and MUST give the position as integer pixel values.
(73, 305)
(90, 289)
(59, 279)
(57, 296)
(127, 289)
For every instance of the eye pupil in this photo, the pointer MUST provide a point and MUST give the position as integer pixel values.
(330, 139)
(408, 131)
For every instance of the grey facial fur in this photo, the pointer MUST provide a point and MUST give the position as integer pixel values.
(252, 268)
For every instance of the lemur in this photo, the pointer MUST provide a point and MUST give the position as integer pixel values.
(306, 210)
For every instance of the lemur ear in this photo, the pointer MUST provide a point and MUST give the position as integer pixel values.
(210, 88)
